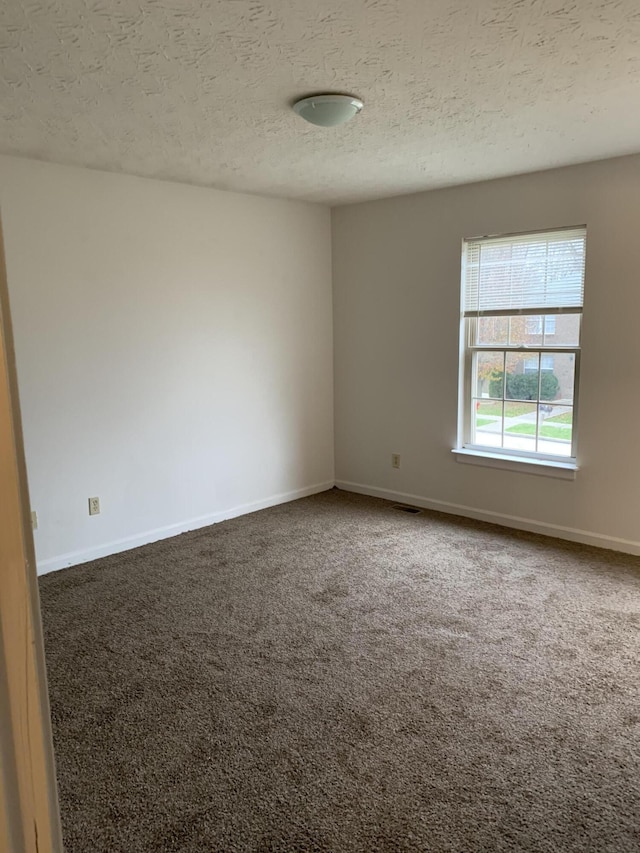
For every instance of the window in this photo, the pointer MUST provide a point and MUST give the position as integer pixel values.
(522, 310)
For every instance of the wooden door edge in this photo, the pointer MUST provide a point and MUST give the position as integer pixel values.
(28, 785)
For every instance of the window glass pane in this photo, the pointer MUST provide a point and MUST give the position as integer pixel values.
(547, 362)
(522, 372)
(535, 330)
(562, 330)
(520, 426)
(493, 330)
(555, 427)
(487, 422)
(558, 377)
(533, 325)
(526, 330)
(489, 373)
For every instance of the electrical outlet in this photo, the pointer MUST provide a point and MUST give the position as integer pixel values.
(94, 506)
(395, 460)
(34, 519)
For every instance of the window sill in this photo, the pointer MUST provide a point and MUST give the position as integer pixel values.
(542, 467)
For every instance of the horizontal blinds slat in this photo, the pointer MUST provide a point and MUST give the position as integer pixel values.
(525, 273)
(520, 349)
(524, 312)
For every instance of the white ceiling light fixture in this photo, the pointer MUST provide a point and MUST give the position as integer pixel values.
(328, 110)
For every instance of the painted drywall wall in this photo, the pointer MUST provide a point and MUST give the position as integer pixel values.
(174, 353)
(396, 271)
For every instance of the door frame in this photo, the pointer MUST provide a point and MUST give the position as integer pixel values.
(29, 812)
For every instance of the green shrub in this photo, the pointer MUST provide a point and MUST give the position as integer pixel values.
(524, 386)
(495, 384)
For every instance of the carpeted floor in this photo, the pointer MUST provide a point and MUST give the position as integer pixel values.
(335, 675)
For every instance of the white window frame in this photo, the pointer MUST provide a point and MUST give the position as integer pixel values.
(532, 461)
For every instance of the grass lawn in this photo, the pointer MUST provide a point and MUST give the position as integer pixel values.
(480, 422)
(565, 418)
(545, 431)
(511, 410)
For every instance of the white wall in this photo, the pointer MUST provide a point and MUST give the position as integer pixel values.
(396, 266)
(174, 352)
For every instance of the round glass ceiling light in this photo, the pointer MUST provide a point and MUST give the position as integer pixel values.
(328, 110)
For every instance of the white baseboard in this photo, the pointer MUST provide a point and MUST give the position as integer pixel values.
(585, 537)
(75, 557)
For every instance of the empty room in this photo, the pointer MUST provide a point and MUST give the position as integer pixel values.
(321, 494)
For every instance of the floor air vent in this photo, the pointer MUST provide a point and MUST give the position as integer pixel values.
(412, 510)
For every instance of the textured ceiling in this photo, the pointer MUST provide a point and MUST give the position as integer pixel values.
(200, 90)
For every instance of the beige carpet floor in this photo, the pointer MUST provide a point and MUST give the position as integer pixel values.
(334, 675)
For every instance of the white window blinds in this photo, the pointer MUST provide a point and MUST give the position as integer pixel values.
(526, 274)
